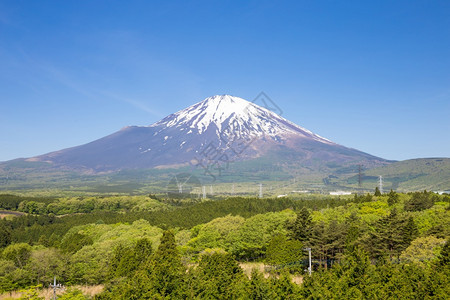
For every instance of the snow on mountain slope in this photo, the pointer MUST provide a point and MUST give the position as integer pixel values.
(234, 116)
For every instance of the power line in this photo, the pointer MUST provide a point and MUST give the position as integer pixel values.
(380, 183)
(360, 175)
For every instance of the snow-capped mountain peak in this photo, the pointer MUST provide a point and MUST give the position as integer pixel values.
(226, 114)
(216, 110)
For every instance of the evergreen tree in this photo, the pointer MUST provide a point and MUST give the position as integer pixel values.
(118, 253)
(377, 192)
(354, 228)
(328, 241)
(127, 265)
(409, 232)
(352, 275)
(284, 253)
(166, 270)
(283, 288)
(127, 260)
(44, 241)
(419, 201)
(444, 256)
(136, 287)
(219, 276)
(259, 288)
(301, 228)
(5, 236)
(336, 239)
(387, 236)
(318, 242)
(393, 198)
(142, 251)
(74, 242)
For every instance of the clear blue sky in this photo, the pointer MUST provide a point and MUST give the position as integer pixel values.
(371, 75)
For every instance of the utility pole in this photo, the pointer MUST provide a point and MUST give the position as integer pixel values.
(309, 254)
(55, 287)
(380, 183)
(204, 192)
(360, 175)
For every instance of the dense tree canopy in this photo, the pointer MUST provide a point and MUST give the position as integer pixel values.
(365, 247)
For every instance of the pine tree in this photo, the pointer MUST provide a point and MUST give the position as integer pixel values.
(353, 231)
(444, 256)
(117, 256)
(142, 252)
(166, 270)
(283, 288)
(392, 235)
(301, 228)
(5, 236)
(285, 253)
(219, 276)
(393, 198)
(377, 192)
(409, 232)
(419, 202)
(351, 276)
(259, 287)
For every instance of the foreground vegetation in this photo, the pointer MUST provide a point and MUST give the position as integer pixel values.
(145, 247)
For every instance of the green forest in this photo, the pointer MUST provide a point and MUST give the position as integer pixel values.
(373, 246)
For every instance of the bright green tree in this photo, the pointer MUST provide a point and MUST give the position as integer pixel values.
(422, 249)
(72, 294)
(31, 293)
(45, 264)
(18, 253)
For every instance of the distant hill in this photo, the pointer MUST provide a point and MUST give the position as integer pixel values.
(415, 174)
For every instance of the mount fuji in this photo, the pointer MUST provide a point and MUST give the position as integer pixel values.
(220, 129)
